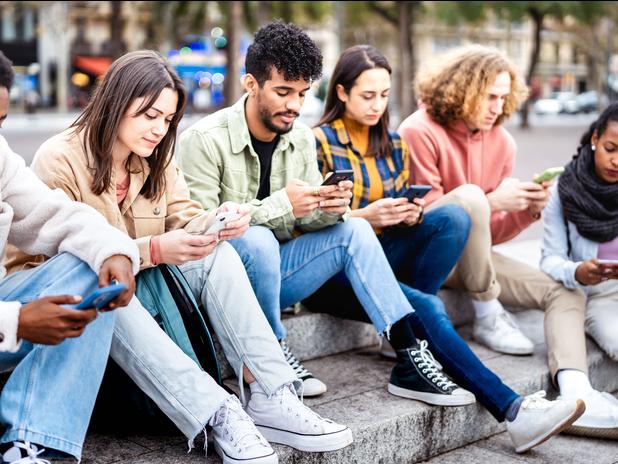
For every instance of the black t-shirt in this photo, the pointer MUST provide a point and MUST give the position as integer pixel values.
(265, 152)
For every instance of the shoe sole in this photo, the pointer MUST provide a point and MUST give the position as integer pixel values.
(522, 352)
(270, 459)
(310, 443)
(610, 433)
(566, 422)
(434, 399)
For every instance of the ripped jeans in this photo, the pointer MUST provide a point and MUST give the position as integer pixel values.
(285, 273)
(181, 389)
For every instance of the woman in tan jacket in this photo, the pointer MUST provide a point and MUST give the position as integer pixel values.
(118, 158)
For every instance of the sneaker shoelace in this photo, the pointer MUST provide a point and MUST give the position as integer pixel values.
(32, 454)
(431, 368)
(237, 426)
(536, 401)
(298, 368)
(288, 399)
(509, 323)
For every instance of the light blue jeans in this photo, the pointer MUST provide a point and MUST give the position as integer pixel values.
(284, 273)
(50, 395)
(181, 389)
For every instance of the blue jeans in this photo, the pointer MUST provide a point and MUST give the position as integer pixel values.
(50, 394)
(423, 255)
(283, 274)
(437, 244)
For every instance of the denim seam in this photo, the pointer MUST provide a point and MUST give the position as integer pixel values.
(44, 439)
(236, 343)
(27, 399)
(154, 376)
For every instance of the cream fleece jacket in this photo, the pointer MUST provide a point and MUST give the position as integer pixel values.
(43, 221)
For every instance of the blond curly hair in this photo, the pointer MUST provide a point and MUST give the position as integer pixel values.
(453, 86)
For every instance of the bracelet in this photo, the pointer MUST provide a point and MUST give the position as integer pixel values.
(534, 215)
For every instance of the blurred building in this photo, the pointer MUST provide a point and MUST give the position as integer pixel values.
(561, 66)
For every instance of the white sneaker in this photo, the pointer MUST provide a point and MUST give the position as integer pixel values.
(283, 418)
(23, 452)
(539, 419)
(236, 438)
(311, 385)
(600, 419)
(499, 332)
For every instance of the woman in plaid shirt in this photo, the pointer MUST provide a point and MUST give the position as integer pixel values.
(422, 249)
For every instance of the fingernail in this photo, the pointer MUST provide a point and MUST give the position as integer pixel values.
(77, 297)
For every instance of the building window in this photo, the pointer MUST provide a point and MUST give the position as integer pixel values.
(9, 33)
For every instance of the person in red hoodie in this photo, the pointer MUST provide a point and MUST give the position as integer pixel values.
(459, 146)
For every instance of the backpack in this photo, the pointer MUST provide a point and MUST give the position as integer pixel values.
(164, 292)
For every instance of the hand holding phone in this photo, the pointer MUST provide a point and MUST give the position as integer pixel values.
(548, 174)
(608, 266)
(416, 191)
(221, 220)
(339, 175)
(101, 297)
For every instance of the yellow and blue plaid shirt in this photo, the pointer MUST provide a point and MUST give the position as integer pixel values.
(335, 151)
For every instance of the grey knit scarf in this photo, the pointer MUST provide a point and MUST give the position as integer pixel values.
(587, 201)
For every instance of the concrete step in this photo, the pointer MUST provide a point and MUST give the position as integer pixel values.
(565, 449)
(386, 429)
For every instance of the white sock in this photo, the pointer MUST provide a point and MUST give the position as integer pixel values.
(486, 308)
(573, 383)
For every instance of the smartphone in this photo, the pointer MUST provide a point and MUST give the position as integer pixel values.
(339, 175)
(416, 191)
(221, 220)
(548, 174)
(101, 297)
(609, 263)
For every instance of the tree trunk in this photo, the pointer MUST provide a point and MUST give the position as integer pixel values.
(115, 25)
(232, 79)
(537, 20)
(407, 102)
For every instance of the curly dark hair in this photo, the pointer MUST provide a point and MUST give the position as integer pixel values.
(288, 49)
(6, 72)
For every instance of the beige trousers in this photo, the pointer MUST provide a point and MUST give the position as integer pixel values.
(602, 316)
(486, 275)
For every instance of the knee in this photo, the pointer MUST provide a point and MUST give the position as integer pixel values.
(358, 231)
(472, 199)
(257, 243)
(607, 338)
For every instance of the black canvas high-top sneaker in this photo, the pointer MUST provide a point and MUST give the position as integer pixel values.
(418, 376)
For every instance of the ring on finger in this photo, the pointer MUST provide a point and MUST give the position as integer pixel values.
(316, 192)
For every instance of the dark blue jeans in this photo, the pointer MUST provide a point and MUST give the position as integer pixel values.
(422, 256)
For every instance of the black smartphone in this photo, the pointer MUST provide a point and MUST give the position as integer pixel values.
(417, 191)
(339, 175)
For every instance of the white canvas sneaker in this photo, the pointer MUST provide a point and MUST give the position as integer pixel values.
(24, 452)
(283, 418)
(600, 419)
(499, 332)
(236, 438)
(311, 385)
(539, 419)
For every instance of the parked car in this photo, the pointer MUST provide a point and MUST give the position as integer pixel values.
(589, 101)
(558, 102)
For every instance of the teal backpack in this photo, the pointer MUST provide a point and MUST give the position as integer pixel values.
(165, 293)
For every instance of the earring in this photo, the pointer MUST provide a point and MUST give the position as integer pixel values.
(593, 146)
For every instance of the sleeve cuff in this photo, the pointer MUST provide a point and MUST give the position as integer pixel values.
(9, 319)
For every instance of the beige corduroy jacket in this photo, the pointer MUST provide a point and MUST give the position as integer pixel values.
(63, 162)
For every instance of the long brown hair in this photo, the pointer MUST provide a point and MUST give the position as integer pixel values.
(352, 63)
(137, 74)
